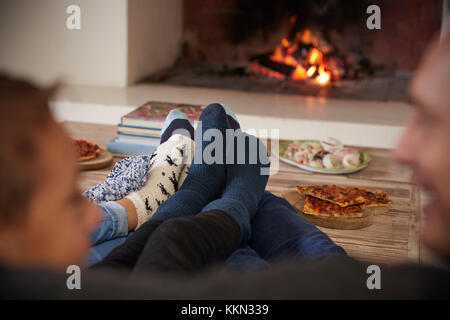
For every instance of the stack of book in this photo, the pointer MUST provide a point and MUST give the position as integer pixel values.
(139, 132)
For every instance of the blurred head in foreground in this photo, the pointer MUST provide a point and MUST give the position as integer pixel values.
(44, 220)
(425, 145)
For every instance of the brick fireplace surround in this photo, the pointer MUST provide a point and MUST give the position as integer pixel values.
(221, 37)
(407, 26)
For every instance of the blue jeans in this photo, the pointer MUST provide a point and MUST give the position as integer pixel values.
(278, 232)
(110, 233)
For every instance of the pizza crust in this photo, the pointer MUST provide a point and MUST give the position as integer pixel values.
(85, 158)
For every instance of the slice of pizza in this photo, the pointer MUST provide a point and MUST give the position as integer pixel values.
(319, 207)
(86, 150)
(374, 198)
(341, 196)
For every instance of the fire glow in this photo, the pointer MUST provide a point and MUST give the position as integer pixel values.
(309, 61)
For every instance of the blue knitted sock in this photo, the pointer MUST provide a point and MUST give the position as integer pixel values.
(246, 181)
(205, 180)
(175, 121)
(232, 119)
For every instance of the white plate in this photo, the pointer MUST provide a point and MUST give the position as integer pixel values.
(364, 156)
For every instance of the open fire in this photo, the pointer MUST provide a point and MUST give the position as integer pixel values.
(303, 58)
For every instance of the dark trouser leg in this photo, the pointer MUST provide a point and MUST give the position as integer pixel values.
(278, 231)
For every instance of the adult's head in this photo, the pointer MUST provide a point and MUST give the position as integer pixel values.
(44, 220)
(425, 145)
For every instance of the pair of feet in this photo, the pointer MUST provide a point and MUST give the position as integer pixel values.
(229, 172)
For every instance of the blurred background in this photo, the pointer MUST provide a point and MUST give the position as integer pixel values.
(282, 64)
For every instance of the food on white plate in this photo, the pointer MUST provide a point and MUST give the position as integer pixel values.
(345, 151)
(328, 154)
(316, 164)
(331, 161)
(331, 144)
(351, 160)
(320, 155)
(303, 152)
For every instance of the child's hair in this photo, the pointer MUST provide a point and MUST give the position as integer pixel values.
(24, 111)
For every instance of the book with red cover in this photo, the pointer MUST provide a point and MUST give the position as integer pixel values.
(153, 113)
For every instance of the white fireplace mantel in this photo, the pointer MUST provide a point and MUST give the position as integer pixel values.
(355, 122)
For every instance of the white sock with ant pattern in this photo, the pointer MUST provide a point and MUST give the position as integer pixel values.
(169, 167)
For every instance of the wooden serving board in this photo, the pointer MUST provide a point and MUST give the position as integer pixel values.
(104, 159)
(298, 201)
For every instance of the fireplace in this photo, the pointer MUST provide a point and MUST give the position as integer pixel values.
(303, 47)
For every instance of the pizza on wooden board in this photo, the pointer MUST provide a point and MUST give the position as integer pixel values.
(374, 198)
(319, 207)
(347, 196)
(86, 150)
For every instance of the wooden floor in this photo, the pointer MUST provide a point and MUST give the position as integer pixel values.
(393, 238)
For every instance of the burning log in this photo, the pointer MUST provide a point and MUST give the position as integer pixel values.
(282, 68)
(300, 59)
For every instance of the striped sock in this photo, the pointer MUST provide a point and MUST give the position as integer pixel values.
(176, 122)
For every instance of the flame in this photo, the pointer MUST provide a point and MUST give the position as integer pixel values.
(277, 55)
(315, 57)
(311, 71)
(324, 77)
(321, 68)
(306, 36)
(289, 60)
(303, 53)
(299, 73)
(285, 42)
